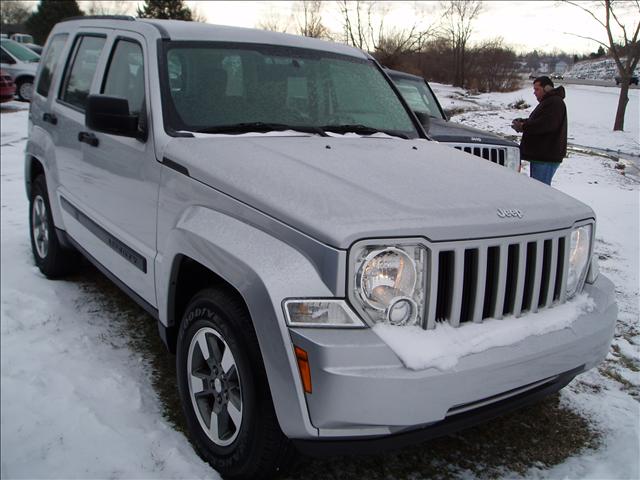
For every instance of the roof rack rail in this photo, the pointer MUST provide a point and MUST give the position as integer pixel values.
(128, 18)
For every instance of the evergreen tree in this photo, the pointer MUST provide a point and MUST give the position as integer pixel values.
(50, 12)
(165, 9)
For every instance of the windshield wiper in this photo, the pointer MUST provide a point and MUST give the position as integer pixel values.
(361, 130)
(238, 128)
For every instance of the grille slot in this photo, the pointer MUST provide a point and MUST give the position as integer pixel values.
(490, 282)
(472, 281)
(528, 276)
(445, 285)
(512, 273)
(469, 285)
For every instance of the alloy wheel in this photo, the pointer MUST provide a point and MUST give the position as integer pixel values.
(40, 226)
(214, 386)
(26, 91)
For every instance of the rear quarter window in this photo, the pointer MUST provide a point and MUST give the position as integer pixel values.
(50, 62)
(80, 72)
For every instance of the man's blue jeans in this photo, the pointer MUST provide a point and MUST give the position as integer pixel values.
(543, 171)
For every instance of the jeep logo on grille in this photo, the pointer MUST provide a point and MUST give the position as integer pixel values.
(509, 213)
(476, 139)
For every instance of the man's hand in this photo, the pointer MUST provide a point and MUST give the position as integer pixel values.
(517, 124)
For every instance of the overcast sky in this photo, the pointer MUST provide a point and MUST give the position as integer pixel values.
(524, 25)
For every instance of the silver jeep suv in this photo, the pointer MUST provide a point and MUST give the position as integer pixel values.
(277, 207)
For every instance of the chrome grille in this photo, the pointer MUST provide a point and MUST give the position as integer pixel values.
(473, 280)
(488, 152)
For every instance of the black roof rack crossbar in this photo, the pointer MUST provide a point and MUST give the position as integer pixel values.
(128, 18)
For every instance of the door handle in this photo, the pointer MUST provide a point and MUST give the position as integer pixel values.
(88, 138)
(50, 118)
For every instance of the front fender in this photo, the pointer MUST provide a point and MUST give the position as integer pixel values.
(265, 271)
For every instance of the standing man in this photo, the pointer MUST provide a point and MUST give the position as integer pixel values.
(544, 133)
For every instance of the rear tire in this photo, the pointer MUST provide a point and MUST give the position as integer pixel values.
(51, 258)
(224, 390)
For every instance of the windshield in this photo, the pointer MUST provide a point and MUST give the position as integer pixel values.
(419, 97)
(18, 51)
(230, 88)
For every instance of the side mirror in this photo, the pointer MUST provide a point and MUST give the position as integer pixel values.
(111, 115)
(425, 120)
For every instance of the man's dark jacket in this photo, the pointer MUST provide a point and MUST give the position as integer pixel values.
(544, 133)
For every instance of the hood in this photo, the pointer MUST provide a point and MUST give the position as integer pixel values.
(446, 131)
(340, 190)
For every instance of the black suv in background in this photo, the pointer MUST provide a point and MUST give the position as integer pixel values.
(418, 94)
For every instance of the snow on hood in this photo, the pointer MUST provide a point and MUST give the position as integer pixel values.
(340, 190)
(445, 345)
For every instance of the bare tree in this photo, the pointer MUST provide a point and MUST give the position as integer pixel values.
(617, 18)
(309, 19)
(273, 21)
(492, 67)
(457, 24)
(395, 43)
(14, 12)
(357, 23)
(364, 27)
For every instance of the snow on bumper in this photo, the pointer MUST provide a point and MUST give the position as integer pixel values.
(361, 387)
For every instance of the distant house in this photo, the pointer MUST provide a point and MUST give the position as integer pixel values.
(561, 67)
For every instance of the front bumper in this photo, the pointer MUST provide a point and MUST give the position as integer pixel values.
(362, 390)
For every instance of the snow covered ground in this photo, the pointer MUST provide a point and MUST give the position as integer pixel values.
(78, 401)
(591, 111)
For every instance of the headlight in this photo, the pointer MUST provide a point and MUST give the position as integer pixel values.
(320, 313)
(390, 282)
(579, 251)
(513, 159)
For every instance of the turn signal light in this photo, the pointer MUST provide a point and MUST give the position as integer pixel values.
(305, 369)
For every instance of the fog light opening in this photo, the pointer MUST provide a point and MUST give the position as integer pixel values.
(401, 311)
(305, 370)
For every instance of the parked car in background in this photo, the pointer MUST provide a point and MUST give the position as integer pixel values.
(7, 87)
(27, 41)
(556, 76)
(418, 94)
(633, 81)
(21, 63)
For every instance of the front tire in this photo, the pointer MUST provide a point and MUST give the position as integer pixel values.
(224, 391)
(51, 258)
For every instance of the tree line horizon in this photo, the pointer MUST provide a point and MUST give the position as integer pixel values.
(441, 51)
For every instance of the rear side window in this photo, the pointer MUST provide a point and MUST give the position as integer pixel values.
(49, 63)
(125, 74)
(80, 73)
